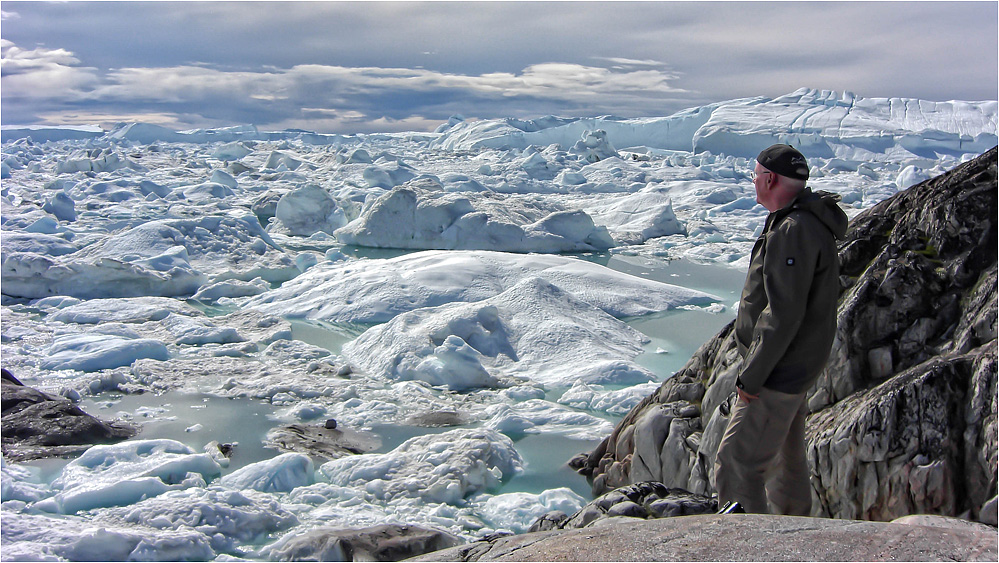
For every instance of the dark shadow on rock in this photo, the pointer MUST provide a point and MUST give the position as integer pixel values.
(37, 425)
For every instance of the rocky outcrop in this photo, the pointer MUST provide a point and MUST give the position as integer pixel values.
(645, 500)
(741, 537)
(325, 442)
(904, 415)
(37, 425)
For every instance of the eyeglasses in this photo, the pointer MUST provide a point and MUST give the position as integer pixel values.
(754, 175)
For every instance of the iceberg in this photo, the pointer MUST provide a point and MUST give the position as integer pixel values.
(372, 291)
(443, 468)
(122, 474)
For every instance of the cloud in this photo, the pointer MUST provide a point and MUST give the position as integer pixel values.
(331, 98)
(623, 62)
(385, 64)
(42, 73)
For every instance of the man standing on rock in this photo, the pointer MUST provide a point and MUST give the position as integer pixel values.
(784, 330)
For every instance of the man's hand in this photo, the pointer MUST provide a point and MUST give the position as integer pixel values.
(746, 396)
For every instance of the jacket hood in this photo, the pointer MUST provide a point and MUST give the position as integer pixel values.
(824, 206)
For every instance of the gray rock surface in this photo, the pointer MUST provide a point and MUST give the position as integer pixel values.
(904, 415)
(322, 442)
(388, 542)
(38, 425)
(648, 499)
(738, 537)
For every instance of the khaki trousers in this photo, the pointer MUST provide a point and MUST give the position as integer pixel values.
(761, 457)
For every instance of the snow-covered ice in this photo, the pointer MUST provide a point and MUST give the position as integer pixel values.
(534, 331)
(460, 293)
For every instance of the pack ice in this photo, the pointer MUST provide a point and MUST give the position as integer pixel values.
(449, 291)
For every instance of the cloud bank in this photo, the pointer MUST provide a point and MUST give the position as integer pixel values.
(319, 97)
(386, 66)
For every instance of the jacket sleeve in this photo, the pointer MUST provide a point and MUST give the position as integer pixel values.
(788, 269)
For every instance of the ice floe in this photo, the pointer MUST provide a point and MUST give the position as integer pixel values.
(405, 285)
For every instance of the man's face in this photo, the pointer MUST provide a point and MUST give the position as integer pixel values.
(761, 179)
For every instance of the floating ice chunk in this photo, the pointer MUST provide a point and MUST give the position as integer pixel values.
(206, 192)
(308, 210)
(594, 146)
(443, 468)
(377, 290)
(409, 217)
(516, 512)
(536, 166)
(451, 122)
(200, 331)
(94, 352)
(174, 259)
(279, 474)
(62, 206)
(358, 156)
(225, 518)
(302, 411)
(569, 178)
(454, 364)
(388, 175)
(910, 176)
(595, 397)
(224, 178)
(20, 483)
(148, 260)
(147, 187)
(36, 243)
(635, 218)
(533, 331)
(98, 162)
(536, 416)
(32, 275)
(231, 151)
(125, 473)
(278, 159)
(461, 183)
(172, 546)
(147, 133)
(231, 288)
(44, 225)
(35, 537)
(122, 310)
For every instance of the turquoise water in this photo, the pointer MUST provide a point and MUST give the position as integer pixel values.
(246, 421)
(679, 332)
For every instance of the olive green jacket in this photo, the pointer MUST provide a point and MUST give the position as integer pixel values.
(787, 314)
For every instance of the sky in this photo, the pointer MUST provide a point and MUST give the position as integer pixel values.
(364, 67)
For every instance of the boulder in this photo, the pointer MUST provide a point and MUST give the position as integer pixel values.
(322, 442)
(38, 425)
(903, 418)
(648, 499)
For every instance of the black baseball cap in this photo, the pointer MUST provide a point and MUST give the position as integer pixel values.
(784, 160)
